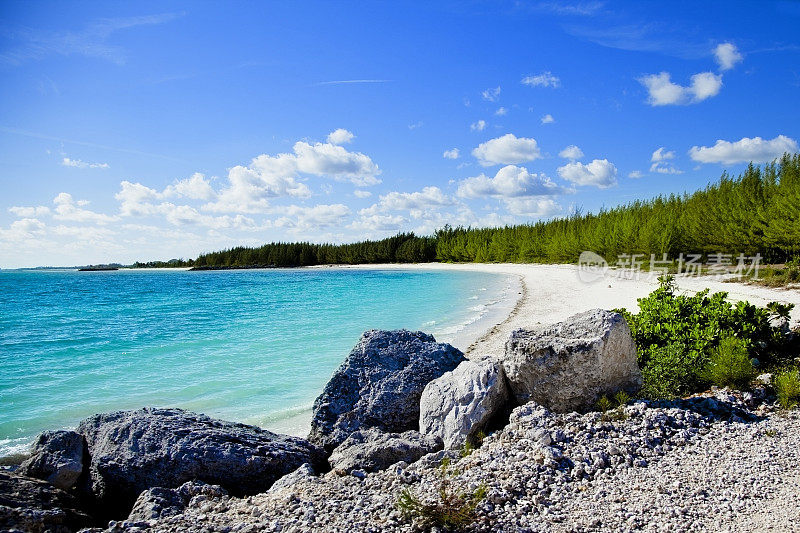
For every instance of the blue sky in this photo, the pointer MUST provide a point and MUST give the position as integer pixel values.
(137, 131)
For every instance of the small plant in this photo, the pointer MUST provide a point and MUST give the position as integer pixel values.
(779, 310)
(451, 510)
(613, 409)
(770, 433)
(466, 449)
(787, 388)
(622, 398)
(730, 364)
(472, 444)
(604, 404)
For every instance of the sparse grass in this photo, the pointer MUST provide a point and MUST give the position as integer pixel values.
(470, 445)
(787, 388)
(775, 275)
(451, 510)
(622, 398)
(604, 404)
(770, 433)
(613, 409)
(730, 364)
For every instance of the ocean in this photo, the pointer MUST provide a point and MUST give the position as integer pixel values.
(253, 346)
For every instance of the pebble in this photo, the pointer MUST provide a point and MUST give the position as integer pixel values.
(704, 463)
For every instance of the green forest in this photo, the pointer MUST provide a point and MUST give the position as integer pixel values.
(755, 212)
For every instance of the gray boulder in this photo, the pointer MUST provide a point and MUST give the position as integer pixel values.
(28, 504)
(463, 402)
(56, 457)
(132, 451)
(160, 502)
(570, 365)
(379, 385)
(372, 450)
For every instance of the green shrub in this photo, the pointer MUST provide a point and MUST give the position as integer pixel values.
(787, 388)
(730, 365)
(676, 336)
(452, 509)
(670, 371)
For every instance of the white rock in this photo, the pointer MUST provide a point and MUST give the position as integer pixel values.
(570, 365)
(460, 403)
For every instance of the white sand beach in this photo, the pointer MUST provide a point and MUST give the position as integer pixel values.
(549, 293)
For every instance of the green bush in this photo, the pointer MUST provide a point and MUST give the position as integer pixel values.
(669, 372)
(730, 365)
(787, 388)
(676, 336)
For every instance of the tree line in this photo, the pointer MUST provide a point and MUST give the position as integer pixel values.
(755, 212)
(402, 248)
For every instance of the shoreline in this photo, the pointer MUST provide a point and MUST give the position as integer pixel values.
(546, 294)
(551, 293)
(532, 295)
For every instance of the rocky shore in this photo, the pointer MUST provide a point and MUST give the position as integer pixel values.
(410, 435)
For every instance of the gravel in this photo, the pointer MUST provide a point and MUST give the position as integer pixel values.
(711, 462)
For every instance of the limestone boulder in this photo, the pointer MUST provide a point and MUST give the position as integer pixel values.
(569, 365)
(461, 403)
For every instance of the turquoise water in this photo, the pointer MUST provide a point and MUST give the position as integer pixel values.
(255, 346)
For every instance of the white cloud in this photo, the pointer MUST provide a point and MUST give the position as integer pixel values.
(340, 136)
(416, 125)
(28, 227)
(69, 209)
(330, 160)
(757, 150)
(77, 163)
(533, 207)
(662, 91)
(705, 85)
(545, 79)
(300, 218)
(548, 119)
(30, 212)
(665, 168)
(491, 94)
(661, 162)
(416, 203)
(636, 174)
(661, 155)
(501, 111)
(195, 187)
(571, 152)
(600, 173)
(451, 154)
(509, 182)
(507, 150)
(378, 223)
(136, 199)
(478, 126)
(360, 193)
(727, 56)
(267, 176)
